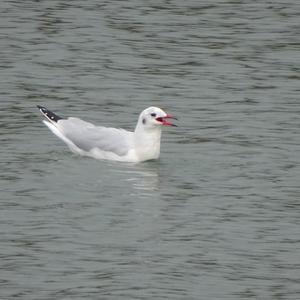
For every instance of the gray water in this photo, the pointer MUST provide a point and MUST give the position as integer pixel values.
(218, 216)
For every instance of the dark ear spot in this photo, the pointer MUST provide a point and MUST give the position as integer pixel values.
(144, 121)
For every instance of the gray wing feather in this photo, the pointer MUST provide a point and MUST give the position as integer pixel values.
(87, 136)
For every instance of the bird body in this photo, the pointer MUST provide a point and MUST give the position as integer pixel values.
(100, 142)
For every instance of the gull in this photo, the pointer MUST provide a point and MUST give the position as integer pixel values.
(100, 142)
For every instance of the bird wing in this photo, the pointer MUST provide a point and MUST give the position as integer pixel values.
(87, 136)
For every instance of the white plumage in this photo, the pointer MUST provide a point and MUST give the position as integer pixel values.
(101, 142)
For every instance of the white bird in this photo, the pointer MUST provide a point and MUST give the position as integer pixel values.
(111, 143)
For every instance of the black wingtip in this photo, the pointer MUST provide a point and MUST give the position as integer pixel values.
(41, 108)
(49, 114)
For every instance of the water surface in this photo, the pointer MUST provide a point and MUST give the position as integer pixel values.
(217, 217)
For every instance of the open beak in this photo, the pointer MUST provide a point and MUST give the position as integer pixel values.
(164, 120)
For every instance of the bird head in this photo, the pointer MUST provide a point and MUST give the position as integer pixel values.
(154, 117)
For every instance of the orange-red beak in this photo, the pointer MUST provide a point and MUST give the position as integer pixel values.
(164, 120)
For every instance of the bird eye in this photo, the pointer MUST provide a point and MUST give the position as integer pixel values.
(153, 115)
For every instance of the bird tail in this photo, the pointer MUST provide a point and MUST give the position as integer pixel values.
(52, 117)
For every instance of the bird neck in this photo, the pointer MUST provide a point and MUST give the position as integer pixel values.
(147, 142)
